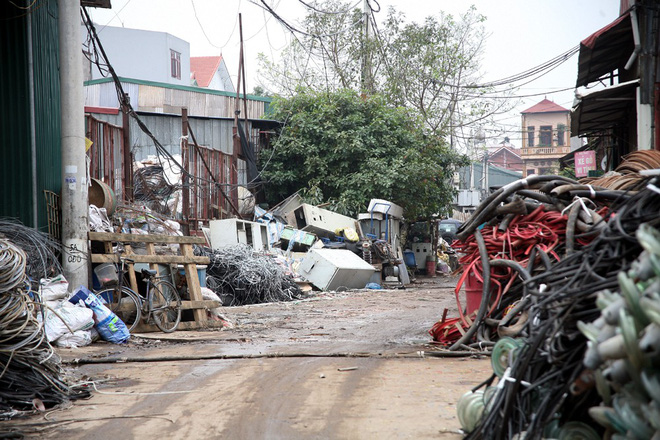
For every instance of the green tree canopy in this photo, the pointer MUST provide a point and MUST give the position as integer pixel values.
(345, 149)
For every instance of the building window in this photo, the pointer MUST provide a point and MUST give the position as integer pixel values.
(175, 64)
(530, 136)
(545, 136)
(561, 130)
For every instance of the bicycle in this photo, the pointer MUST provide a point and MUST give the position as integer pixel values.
(162, 303)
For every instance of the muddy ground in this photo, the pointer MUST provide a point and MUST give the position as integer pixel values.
(349, 366)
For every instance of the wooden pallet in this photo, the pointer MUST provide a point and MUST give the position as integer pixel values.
(189, 261)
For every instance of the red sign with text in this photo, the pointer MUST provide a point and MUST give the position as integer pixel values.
(585, 161)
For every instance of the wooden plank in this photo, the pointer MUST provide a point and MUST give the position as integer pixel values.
(151, 250)
(158, 259)
(192, 279)
(151, 238)
(204, 304)
(184, 325)
(132, 279)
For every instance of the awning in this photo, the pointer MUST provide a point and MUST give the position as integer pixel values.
(605, 50)
(603, 109)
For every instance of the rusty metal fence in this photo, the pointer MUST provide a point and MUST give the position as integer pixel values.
(106, 155)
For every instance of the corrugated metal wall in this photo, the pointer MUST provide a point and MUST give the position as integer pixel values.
(21, 195)
(213, 133)
(157, 99)
(45, 45)
(15, 157)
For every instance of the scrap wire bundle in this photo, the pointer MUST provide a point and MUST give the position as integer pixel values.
(29, 369)
(529, 224)
(544, 388)
(246, 277)
(41, 252)
(153, 188)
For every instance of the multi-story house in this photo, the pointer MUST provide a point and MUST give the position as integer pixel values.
(140, 54)
(545, 130)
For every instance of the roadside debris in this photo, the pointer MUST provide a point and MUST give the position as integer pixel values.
(31, 375)
(565, 344)
(239, 276)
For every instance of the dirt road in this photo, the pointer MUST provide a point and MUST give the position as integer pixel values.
(349, 368)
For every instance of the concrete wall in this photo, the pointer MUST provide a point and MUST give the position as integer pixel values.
(140, 54)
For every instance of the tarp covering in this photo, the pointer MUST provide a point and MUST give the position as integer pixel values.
(605, 50)
(604, 109)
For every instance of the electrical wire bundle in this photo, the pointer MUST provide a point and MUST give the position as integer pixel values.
(545, 389)
(41, 251)
(240, 275)
(29, 368)
(152, 187)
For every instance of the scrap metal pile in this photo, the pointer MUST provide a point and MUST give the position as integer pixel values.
(153, 188)
(239, 275)
(571, 309)
(30, 373)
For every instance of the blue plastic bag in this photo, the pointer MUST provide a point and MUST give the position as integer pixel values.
(109, 326)
(113, 329)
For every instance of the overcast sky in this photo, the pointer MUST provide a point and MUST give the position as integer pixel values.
(521, 34)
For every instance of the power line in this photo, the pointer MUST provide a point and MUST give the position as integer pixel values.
(349, 9)
(192, 2)
(296, 30)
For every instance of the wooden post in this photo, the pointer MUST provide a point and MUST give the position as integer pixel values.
(185, 179)
(126, 150)
(194, 289)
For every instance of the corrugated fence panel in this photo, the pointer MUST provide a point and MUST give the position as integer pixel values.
(15, 156)
(47, 104)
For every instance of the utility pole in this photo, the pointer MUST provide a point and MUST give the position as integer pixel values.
(126, 140)
(75, 210)
(486, 184)
(185, 179)
(367, 82)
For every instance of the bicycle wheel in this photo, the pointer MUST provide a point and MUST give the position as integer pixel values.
(124, 303)
(165, 306)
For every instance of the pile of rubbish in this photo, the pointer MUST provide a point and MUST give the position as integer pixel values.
(239, 275)
(296, 245)
(571, 312)
(30, 371)
(157, 184)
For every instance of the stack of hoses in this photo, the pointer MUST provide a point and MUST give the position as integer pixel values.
(29, 369)
(560, 378)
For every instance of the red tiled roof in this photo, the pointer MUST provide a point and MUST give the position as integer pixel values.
(203, 68)
(514, 151)
(545, 106)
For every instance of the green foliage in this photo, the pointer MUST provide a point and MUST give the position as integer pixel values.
(341, 148)
(260, 91)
